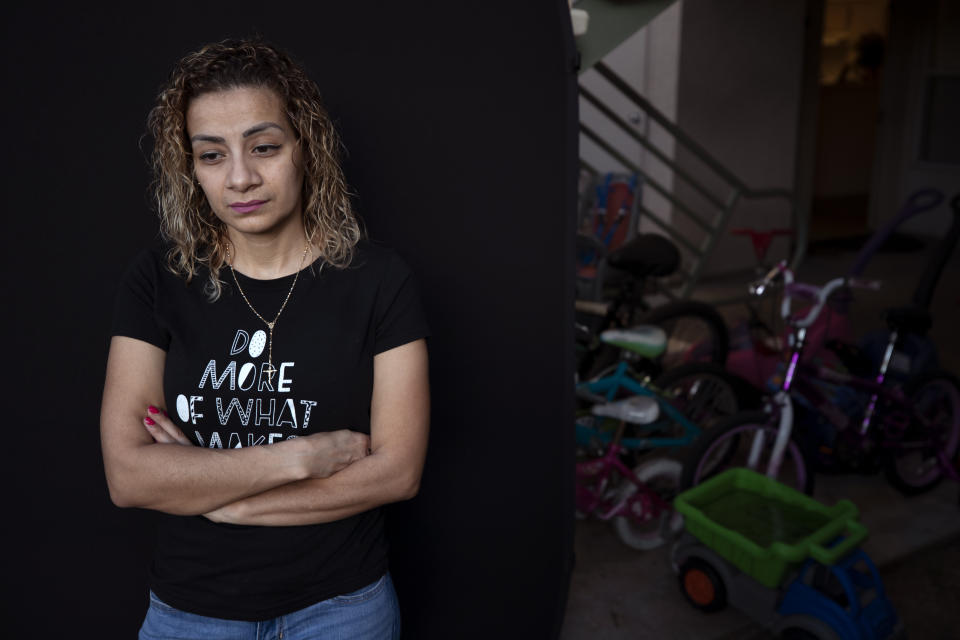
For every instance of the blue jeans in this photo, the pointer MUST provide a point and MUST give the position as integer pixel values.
(370, 613)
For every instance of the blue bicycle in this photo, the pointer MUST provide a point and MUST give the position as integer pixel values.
(688, 398)
(624, 415)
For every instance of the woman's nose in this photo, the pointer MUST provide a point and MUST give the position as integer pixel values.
(242, 175)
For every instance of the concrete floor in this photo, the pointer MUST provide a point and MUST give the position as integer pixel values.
(617, 592)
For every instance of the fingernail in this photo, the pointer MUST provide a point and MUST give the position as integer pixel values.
(153, 409)
(149, 421)
(166, 414)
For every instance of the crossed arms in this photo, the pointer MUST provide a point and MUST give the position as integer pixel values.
(306, 480)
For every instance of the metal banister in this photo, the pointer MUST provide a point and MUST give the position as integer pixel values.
(649, 146)
(711, 222)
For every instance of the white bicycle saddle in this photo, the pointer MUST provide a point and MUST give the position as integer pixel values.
(646, 339)
(636, 409)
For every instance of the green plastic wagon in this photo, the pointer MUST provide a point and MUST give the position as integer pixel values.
(765, 528)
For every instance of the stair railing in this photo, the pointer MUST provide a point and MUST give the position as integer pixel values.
(720, 207)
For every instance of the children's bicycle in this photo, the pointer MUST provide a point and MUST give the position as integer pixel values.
(638, 501)
(757, 344)
(626, 416)
(912, 430)
(695, 331)
(689, 397)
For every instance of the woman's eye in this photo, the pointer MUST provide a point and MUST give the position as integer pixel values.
(210, 156)
(264, 149)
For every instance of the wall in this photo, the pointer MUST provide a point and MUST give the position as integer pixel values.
(924, 36)
(739, 96)
(649, 62)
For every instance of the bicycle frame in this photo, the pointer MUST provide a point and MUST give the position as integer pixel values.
(593, 478)
(896, 413)
(894, 419)
(781, 404)
(606, 388)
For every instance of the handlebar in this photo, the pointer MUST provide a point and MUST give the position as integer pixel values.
(759, 287)
(817, 295)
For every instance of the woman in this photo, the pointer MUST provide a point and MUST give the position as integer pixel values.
(266, 384)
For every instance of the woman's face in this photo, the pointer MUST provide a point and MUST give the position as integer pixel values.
(246, 159)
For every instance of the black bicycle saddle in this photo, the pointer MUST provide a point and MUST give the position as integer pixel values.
(648, 254)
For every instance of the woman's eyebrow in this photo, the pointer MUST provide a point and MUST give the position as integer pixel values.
(205, 138)
(257, 128)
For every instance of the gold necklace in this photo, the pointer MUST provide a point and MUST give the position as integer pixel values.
(270, 325)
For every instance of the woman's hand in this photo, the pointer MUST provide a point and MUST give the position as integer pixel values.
(320, 455)
(161, 428)
(220, 515)
(323, 454)
(154, 466)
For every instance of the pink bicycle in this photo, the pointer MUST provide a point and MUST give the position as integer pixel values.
(638, 501)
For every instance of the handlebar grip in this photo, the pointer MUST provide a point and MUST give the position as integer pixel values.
(758, 287)
(864, 283)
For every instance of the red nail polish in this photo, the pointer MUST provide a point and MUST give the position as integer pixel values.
(166, 414)
(149, 420)
(153, 409)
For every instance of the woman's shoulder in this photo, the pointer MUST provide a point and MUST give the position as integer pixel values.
(375, 256)
(148, 258)
(151, 263)
(373, 250)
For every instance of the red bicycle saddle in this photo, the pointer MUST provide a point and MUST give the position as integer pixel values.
(761, 239)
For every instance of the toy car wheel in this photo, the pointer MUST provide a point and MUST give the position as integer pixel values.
(702, 586)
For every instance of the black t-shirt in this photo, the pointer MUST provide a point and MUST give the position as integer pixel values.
(217, 391)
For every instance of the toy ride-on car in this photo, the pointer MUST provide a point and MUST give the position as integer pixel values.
(789, 562)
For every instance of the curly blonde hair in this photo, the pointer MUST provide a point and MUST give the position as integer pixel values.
(197, 237)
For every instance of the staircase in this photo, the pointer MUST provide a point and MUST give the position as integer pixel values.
(706, 218)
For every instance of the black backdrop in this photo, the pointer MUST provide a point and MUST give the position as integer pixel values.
(460, 120)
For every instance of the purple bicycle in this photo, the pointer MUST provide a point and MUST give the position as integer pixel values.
(911, 430)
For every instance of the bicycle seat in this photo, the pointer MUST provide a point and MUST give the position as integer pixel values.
(761, 239)
(909, 319)
(637, 409)
(648, 254)
(646, 340)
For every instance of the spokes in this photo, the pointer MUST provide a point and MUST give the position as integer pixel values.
(705, 398)
(752, 447)
(930, 441)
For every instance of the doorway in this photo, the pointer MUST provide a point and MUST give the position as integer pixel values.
(852, 52)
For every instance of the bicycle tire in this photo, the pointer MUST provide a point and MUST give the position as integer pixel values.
(695, 332)
(899, 469)
(661, 475)
(724, 446)
(730, 395)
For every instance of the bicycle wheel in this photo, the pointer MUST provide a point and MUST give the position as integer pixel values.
(662, 476)
(914, 465)
(730, 444)
(706, 393)
(695, 330)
